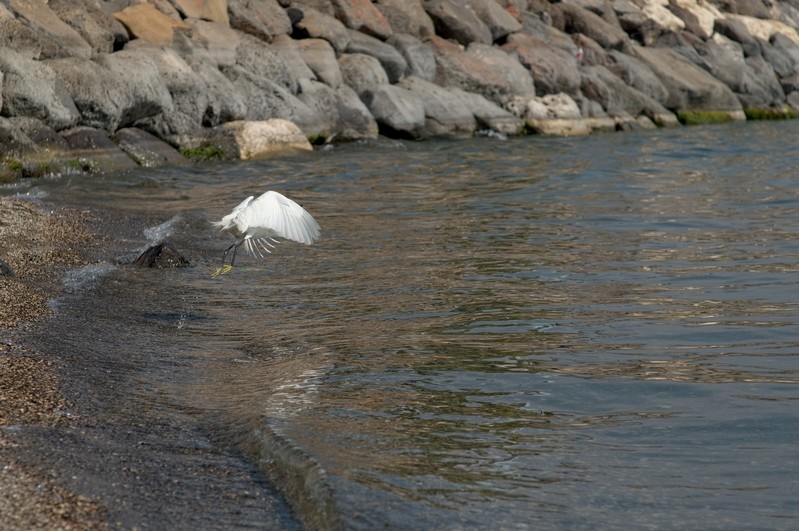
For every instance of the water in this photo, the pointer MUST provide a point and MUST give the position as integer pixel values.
(527, 333)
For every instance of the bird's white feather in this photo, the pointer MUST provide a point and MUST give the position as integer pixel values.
(271, 215)
(274, 215)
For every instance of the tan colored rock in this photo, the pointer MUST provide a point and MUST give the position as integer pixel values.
(213, 10)
(658, 11)
(261, 138)
(765, 29)
(704, 12)
(219, 40)
(146, 22)
(320, 57)
(553, 114)
(288, 48)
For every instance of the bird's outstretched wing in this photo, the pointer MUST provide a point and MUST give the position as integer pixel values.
(227, 222)
(274, 215)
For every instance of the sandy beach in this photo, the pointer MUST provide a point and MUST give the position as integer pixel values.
(37, 245)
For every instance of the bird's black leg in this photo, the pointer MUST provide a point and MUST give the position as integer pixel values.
(224, 256)
(235, 248)
(226, 268)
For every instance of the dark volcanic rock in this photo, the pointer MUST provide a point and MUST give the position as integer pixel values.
(164, 256)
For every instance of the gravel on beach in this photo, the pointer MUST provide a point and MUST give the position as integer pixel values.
(36, 247)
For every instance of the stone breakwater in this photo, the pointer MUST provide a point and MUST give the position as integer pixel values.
(95, 85)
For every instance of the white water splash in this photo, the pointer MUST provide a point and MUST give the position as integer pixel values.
(83, 278)
(160, 232)
(491, 133)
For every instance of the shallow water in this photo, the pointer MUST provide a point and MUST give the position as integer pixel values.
(538, 332)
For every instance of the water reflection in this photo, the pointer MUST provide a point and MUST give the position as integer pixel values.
(545, 332)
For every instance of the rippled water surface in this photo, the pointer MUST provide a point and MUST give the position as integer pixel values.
(580, 333)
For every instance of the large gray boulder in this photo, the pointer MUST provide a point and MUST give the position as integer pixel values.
(445, 115)
(554, 69)
(399, 112)
(407, 16)
(751, 78)
(56, 38)
(766, 92)
(592, 52)
(266, 100)
(783, 54)
(264, 19)
(364, 17)
(17, 34)
(147, 150)
(419, 55)
(103, 93)
(638, 75)
(224, 102)
(187, 90)
(518, 78)
(263, 61)
(689, 87)
(100, 30)
(620, 100)
(362, 72)
(456, 21)
(724, 59)
(320, 57)
(310, 23)
(99, 152)
(31, 88)
(455, 67)
(579, 20)
(499, 21)
(46, 140)
(289, 49)
(535, 27)
(13, 142)
(737, 31)
(489, 115)
(347, 118)
(393, 63)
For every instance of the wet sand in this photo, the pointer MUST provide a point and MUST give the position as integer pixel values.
(38, 246)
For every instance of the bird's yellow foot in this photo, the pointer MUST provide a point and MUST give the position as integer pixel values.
(221, 270)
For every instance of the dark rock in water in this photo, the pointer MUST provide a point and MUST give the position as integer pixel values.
(163, 255)
(5, 270)
(146, 149)
(93, 145)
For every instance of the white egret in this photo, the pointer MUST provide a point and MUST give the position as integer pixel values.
(257, 223)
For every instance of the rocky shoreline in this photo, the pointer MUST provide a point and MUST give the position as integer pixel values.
(93, 85)
(38, 246)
